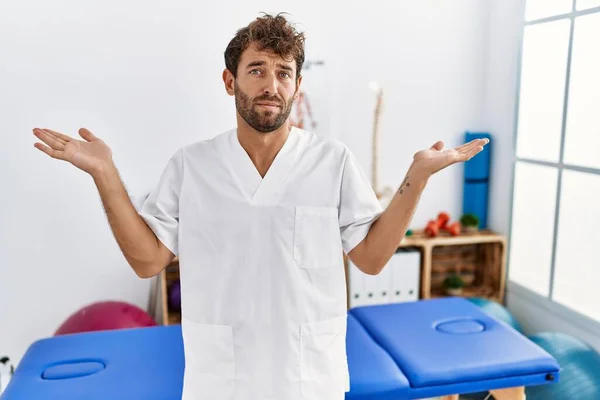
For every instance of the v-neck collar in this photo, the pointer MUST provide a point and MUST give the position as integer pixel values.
(256, 189)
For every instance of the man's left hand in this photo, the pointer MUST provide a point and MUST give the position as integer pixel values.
(434, 159)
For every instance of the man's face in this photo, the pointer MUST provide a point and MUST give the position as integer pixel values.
(264, 89)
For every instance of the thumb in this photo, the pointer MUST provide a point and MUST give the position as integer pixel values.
(87, 135)
(439, 145)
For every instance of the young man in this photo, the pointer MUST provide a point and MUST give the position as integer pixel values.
(259, 217)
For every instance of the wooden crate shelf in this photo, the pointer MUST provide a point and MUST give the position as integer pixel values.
(473, 291)
(174, 318)
(159, 303)
(479, 258)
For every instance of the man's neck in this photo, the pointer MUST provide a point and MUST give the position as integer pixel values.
(262, 148)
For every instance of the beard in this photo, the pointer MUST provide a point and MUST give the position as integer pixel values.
(261, 120)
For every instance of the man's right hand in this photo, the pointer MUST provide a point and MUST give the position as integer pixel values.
(144, 252)
(91, 155)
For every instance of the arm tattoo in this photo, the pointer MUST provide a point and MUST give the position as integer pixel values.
(405, 182)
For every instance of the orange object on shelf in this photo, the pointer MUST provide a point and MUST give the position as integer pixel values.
(454, 229)
(443, 219)
(432, 229)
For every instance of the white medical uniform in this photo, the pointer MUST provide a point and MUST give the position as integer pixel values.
(263, 284)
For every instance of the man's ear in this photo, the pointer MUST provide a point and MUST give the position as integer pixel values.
(229, 81)
(298, 82)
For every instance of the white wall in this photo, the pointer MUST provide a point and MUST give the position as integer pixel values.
(146, 78)
(429, 57)
(502, 65)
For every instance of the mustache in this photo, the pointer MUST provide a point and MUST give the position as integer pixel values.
(269, 99)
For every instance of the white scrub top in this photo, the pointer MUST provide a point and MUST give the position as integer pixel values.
(263, 286)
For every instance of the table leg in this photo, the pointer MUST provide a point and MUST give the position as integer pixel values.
(515, 393)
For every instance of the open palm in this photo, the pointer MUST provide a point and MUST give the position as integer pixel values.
(436, 158)
(89, 155)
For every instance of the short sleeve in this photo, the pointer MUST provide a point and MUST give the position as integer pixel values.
(160, 210)
(359, 206)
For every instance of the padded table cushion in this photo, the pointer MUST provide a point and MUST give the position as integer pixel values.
(451, 341)
(373, 373)
(395, 352)
(128, 364)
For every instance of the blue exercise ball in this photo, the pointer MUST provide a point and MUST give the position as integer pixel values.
(580, 369)
(497, 311)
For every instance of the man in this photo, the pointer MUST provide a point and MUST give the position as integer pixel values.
(259, 217)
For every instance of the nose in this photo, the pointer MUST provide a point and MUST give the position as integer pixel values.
(270, 88)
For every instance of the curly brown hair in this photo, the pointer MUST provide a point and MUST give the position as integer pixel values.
(272, 33)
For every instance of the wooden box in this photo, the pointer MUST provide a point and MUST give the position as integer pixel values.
(159, 301)
(479, 258)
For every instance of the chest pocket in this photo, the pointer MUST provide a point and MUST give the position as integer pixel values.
(317, 240)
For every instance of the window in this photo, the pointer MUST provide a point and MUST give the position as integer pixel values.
(537, 9)
(556, 188)
(577, 272)
(543, 70)
(582, 142)
(585, 4)
(534, 206)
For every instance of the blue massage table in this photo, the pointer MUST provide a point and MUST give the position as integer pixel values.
(414, 350)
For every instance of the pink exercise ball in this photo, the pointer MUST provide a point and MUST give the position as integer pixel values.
(106, 315)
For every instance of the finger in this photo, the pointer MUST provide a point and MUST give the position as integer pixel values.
(50, 151)
(467, 147)
(49, 139)
(466, 156)
(476, 142)
(473, 152)
(58, 135)
(479, 141)
(87, 135)
(439, 145)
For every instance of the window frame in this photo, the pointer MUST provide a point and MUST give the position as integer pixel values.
(547, 302)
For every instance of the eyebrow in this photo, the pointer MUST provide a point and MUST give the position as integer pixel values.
(261, 63)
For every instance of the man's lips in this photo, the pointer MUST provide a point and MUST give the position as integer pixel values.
(267, 104)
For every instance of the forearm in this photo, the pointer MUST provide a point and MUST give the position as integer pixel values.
(137, 241)
(389, 229)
